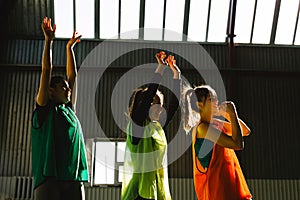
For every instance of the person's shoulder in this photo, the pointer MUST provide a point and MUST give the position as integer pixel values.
(70, 105)
(43, 107)
(202, 129)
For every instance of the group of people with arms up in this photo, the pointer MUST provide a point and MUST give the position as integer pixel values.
(59, 160)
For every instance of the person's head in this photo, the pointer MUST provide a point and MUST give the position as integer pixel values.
(200, 102)
(60, 91)
(156, 107)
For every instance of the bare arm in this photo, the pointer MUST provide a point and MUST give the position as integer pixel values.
(173, 103)
(43, 92)
(227, 125)
(235, 141)
(71, 68)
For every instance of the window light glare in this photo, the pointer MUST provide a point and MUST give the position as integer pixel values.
(174, 20)
(286, 22)
(198, 20)
(243, 21)
(63, 18)
(104, 163)
(130, 15)
(121, 151)
(85, 20)
(297, 38)
(263, 21)
(153, 19)
(109, 17)
(218, 21)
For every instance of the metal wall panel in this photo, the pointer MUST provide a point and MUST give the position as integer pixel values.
(21, 188)
(265, 97)
(23, 18)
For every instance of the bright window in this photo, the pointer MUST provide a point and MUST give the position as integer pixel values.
(85, 20)
(263, 21)
(207, 20)
(174, 20)
(297, 39)
(218, 21)
(243, 22)
(198, 20)
(63, 18)
(153, 20)
(286, 22)
(108, 160)
(109, 18)
(130, 15)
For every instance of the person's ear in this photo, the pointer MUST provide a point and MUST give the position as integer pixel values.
(51, 92)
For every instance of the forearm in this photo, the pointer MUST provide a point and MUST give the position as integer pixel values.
(160, 69)
(47, 56)
(245, 129)
(173, 102)
(43, 95)
(71, 64)
(236, 130)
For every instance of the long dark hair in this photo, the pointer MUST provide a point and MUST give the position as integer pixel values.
(191, 112)
(136, 97)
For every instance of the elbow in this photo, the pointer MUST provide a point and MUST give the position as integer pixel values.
(247, 132)
(239, 145)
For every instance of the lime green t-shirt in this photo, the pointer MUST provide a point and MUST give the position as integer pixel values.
(145, 165)
(58, 148)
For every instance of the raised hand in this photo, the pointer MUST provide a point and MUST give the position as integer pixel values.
(172, 63)
(49, 32)
(75, 39)
(227, 108)
(160, 57)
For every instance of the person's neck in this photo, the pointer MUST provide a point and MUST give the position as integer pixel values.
(206, 119)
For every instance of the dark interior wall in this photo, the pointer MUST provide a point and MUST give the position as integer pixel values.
(264, 83)
(23, 18)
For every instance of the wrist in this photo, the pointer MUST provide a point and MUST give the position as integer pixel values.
(160, 68)
(69, 46)
(48, 40)
(177, 75)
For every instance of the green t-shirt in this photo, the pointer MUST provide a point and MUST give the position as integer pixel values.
(58, 148)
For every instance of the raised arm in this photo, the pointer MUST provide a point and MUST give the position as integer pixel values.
(142, 106)
(43, 92)
(141, 110)
(71, 67)
(235, 141)
(227, 125)
(173, 103)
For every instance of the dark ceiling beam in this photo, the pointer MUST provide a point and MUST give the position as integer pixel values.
(186, 19)
(296, 24)
(253, 21)
(164, 19)
(142, 19)
(230, 31)
(275, 21)
(208, 19)
(119, 19)
(74, 14)
(97, 19)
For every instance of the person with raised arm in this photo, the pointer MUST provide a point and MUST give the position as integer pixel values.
(145, 165)
(59, 161)
(216, 132)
